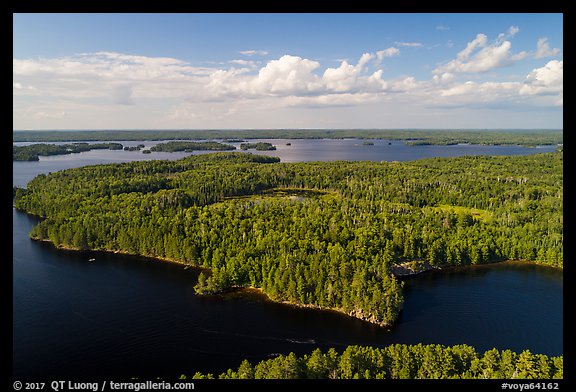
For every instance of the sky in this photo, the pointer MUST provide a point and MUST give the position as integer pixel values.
(282, 71)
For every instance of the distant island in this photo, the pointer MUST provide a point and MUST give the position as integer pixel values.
(134, 148)
(260, 146)
(521, 137)
(192, 146)
(34, 151)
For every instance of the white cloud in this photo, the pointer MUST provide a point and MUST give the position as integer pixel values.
(94, 75)
(254, 52)
(287, 75)
(543, 49)
(364, 59)
(122, 94)
(542, 86)
(340, 79)
(296, 76)
(245, 63)
(482, 92)
(346, 78)
(120, 85)
(511, 32)
(547, 80)
(479, 41)
(409, 44)
(485, 60)
(442, 28)
(329, 100)
(480, 56)
(519, 56)
(446, 77)
(388, 52)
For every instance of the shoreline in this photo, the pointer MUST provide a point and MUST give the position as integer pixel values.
(404, 270)
(355, 314)
(121, 252)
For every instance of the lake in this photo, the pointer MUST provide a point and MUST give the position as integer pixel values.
(130, 316)
(300, 150)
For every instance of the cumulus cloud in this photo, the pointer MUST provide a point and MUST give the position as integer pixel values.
(443, 78)
(547, 80)
(542, 86)
(543, 49)
(481, 56)
(287, 75)
(296, 76)
(74, 86)
(91, 75)
(485, 60)
(389, 52)
(511, 32)
(346, 78)
(479, 41)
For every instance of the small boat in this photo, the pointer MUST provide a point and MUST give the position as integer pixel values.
(91, 259)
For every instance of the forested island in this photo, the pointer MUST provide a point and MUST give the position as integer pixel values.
(320, 234)
(401, 361)
(191, 146)
(521, 137)
(33, 151)
(260, 146)
(134, 148)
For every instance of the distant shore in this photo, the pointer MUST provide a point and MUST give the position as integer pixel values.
(511, 137)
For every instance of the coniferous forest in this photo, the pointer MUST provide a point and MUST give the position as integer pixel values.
(401, 361)
(329, 234)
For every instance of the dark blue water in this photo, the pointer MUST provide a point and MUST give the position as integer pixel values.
(129, 316)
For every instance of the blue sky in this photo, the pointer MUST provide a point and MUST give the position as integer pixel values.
(156, 71)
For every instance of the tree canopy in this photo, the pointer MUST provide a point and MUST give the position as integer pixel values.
(400, 361)
(320, 234)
